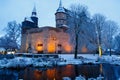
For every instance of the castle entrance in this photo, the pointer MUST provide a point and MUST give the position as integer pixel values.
(40, 48)
(51, 47)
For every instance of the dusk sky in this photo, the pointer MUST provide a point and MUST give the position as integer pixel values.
(19, 9)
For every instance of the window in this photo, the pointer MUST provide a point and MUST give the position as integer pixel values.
(40, 44)
(59, 45)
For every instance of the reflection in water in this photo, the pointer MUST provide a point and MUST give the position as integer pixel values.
(110, 72)
(101, 68)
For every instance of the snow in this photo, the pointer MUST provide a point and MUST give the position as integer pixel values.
(34, 15)
(82, 78)
(71, 56)
(66, 78)
(29, 19)
(114, 59)
(15, 62)
(90, 58)
(61, 9)
(82, 58)
(64, 59)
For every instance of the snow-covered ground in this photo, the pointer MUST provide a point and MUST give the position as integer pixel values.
(94, 59)
(82, 78)
(64, 59)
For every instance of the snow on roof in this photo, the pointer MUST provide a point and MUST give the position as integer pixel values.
(29, 19)
(60, 9)
(65, 26)
(33, 15)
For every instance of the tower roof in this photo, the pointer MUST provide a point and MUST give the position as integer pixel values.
(34, 9)
(34, 13)
(60, 8)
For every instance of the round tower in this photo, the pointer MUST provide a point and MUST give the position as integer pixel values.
(60, 16)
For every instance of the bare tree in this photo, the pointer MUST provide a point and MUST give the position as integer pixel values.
(117, 38)
(99, 21)
(13, 32)
(5, 42)
(79, 16)
(110, 30)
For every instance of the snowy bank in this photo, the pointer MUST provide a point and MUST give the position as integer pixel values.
(63, 59)
(114, 59)
(91, 59)
(82, 58)
(82, 78)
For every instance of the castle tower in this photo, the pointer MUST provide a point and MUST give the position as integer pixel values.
(60, 16)
(34, 17)
(28, 23)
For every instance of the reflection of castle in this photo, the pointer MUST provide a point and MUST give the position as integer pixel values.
(46, 39)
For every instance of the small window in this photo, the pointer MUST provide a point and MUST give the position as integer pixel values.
(59, 45)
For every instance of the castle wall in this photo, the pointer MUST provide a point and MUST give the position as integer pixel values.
(48, 41)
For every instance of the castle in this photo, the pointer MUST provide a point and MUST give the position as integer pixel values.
(46, 39)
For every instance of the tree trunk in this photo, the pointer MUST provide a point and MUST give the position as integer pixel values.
(110, 52)
(76, 46)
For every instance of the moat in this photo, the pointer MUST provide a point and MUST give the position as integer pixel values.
(109, 72)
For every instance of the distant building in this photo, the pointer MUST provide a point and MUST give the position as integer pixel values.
(46, 39)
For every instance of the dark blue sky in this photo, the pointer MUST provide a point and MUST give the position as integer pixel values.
(18, 9)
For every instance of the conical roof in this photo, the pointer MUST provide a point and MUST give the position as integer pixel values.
(60, 8)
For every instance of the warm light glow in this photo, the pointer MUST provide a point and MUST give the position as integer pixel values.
(84, 49)
(68, 70)
(51, 47)
(51, 74)
(68, 48)
(39, 46)
(101, 68)
(37, 74)
(100, 51)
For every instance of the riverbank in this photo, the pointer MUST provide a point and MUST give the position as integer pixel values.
(62, 59)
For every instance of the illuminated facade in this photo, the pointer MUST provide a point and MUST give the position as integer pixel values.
(46, 39)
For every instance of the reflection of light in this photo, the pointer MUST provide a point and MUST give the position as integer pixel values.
(11, 52)
(68, 48)
(101, 68)
(69, 66)
(68, 70)
(37, 74)
(84, 49)
(54, 79)
(51, 74)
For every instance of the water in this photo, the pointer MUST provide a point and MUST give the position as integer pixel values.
(110, 72)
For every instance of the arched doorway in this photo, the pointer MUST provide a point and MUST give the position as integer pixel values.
(40, 48)
(51, 47)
